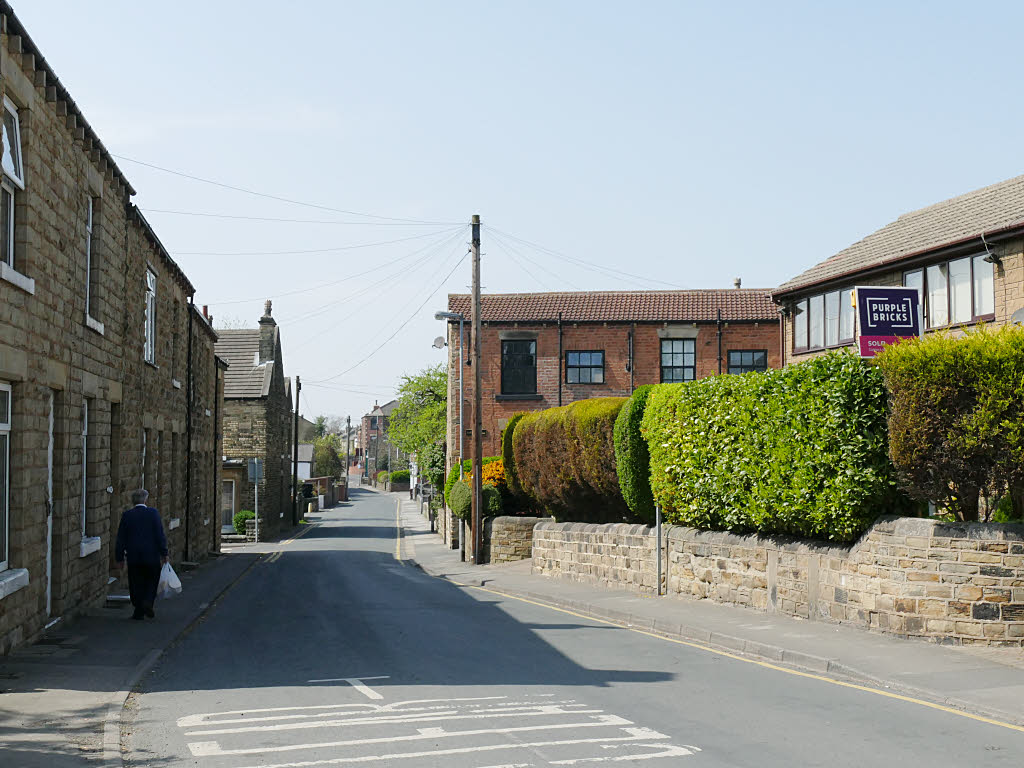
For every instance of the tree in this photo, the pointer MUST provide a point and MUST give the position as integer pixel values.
(418, 421)
(320, 426)
(326, 461)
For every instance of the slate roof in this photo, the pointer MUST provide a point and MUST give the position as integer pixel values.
(245, 377)
(986, 211)
(693, 306)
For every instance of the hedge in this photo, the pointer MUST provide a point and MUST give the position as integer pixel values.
(508, 456)
(632, 457)
(462, 500)
(801, 451)
(382, 476)
(238, 521)
(565, 461)
(400, 476)
(956, 419)
(453, 474)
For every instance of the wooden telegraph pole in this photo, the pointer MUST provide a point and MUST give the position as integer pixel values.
(478, 443)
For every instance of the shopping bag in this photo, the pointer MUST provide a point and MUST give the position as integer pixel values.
(169, 584)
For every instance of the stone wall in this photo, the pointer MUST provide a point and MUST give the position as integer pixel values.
(957, 583)
(509, 538)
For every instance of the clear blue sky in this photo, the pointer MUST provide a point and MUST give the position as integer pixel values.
(686, 143)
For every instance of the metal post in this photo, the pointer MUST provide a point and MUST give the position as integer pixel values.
(657, 524)
(462, 432)
(256, 525)
(348, 449)
(478, 443)
(295, 457)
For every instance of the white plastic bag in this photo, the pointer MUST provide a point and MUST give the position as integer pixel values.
(169, 584)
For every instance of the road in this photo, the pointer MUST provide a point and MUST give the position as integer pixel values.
(339, 651)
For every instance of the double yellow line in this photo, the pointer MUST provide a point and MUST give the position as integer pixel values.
(277, 555)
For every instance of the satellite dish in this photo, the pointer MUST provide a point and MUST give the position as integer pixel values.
(1017, 317)
(440, 343)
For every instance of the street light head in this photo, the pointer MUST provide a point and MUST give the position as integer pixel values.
(448, 316)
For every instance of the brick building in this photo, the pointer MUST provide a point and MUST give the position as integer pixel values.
(108, 376)
(372, 440)
(965, 254)
(258, 423)
(541, 350)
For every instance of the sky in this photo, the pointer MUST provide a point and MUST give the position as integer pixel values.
(605, 145)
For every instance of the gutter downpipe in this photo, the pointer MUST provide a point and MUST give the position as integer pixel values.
(718, 322)
(559, 358)
(189, 394)
(629, 357)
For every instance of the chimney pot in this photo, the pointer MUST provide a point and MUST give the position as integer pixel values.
(737, 282)
(206, 311)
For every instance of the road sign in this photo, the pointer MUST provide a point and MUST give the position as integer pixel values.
(886, 315)
(255, 470)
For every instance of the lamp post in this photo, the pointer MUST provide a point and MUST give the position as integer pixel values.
(452, 316)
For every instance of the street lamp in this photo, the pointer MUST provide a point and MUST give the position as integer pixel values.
(451, 317)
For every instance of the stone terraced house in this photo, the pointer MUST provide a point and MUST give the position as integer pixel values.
(257, 424)
(965, 255)
(108, 375)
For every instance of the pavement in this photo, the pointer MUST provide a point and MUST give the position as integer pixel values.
(986, 681)
(61, 699)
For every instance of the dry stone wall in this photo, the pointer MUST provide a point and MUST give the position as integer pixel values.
(955, 583)
(509, 538)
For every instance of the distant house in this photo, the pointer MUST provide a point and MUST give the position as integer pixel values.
(373, 437)
(965, 255)
(547, 349)
(305, 461)
(257, 424)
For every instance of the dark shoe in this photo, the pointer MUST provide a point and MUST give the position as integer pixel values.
(149, 612)
(137, 616)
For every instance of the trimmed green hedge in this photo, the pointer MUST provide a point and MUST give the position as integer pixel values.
(462, 500)
(508, 455)
(565, 461)
(956, 423)
(382, 476)
(238, 521)
(400, 476)
(801, 451)
(453, 475)
(632, 457)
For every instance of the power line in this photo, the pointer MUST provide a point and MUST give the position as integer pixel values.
(508, 248)
(404, 323)
(608, 271)
(276, 197)
(206, 215)
(318, 250)
(316, 286)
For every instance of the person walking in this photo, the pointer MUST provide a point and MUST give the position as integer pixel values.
(141, 540)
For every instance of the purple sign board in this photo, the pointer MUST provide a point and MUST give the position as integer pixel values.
(886, 315)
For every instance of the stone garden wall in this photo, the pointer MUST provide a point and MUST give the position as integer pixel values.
(958, 583)
(509, 538)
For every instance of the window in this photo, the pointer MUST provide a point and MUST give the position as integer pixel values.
(955, 292)
(678, 360)
(92, 271)
(5, 456)
(519, 367)
(584, 367)
(85, 463)
(747, 360)
(13, 179)
(825, 320)
(149, 349)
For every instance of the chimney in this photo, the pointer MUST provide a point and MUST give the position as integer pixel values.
(736, 283)
(206, 311)
(268, 331)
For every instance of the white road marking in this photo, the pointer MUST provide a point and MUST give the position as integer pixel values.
(537, 710)
(213, 749)
(357, 683)
(668, 750)
(636, 734)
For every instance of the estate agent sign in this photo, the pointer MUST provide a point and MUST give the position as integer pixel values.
(886, 315)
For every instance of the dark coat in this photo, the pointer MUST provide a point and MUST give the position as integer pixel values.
(140, 536)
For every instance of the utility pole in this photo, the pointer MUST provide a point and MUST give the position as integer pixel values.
(478, 443)
(295, 457)
(348, 444)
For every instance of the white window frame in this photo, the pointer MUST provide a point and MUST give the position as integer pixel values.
(149, 349)
(815, 309)
(5, 497)
(88, 256)
(938, 301)
(85, 463)
(12, 181)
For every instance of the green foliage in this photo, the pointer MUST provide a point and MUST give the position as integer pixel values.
(400, 476)
(467, 467)
(418, 419)
(382, 476)
(801, 451)
(238, 521)
(320, 426)
(326, 460)
(565, 460)
(462, 500)
(431, 463)
(957, 417)
(508, 456)
(632, 457)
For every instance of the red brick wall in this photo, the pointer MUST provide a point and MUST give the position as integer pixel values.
(612, 338)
